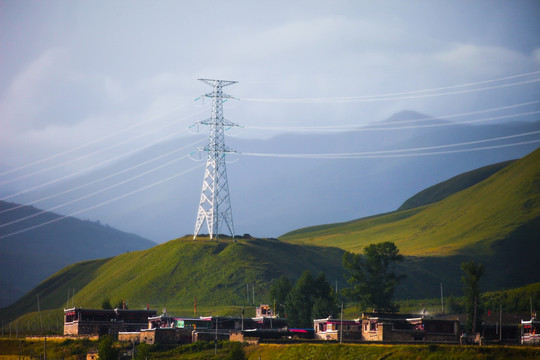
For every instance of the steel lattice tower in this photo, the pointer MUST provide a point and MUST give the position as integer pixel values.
(215, 204)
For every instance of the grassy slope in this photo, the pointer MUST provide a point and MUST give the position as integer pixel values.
(174, 273)
(451, 186)
(468, 222)
(402, 352)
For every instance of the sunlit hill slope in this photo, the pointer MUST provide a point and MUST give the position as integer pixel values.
(470, 221)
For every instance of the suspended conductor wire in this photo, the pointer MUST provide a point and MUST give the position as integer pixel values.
(100, 204)
(382, 126)
(375, 126)
(399, 152)
(78, 158)
(381, 156)
(93, 166)
(102, 178)
(54, 156)
(413, 94)
(95, 192)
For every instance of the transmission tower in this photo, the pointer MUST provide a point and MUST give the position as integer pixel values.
(215, 204)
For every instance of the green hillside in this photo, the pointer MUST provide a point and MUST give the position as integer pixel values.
(173, 274)
(29, 257)
(469, 222)
(496, 222)
(451, 186)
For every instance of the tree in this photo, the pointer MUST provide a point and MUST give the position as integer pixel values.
(373, 277)
(280, 288)
(309, 298)
(106, 304)
(143, 351)
(471, 288)
(324, 299)
(300, 302)
(106, 351)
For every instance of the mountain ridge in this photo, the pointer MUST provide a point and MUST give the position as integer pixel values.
(45, 250)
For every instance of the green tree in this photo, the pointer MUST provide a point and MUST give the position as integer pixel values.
(143, 351)
(279, 290)
(310, 298)
(299, 301)
(373, 276)
(106, 304)
(324, 299)
(471, 288)
(236, 351)
(106, 350)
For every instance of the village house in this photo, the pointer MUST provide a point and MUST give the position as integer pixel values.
(530, 331)
(167, 329)
(388, 328)
(87, 322)
(329, 329)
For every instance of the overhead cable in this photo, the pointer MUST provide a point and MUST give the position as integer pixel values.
(78, 147)
(100, 150)
(100, 204)
(93, 166)
(101, 178)
(413, 94)
(399, 152)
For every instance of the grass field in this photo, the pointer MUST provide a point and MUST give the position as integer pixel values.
(77, 349)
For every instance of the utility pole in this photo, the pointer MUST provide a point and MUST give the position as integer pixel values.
(500, 323)
(442, 301)
(215, 204)
(341, 325)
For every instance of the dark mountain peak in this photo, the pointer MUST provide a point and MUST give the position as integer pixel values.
(29, 253)
(407, 115)
(410, 117)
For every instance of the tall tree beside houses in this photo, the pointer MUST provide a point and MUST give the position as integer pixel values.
(310, 297)
(373, 276)
(279, 290)
(471, 288)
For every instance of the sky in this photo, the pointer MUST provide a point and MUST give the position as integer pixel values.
(78, 79)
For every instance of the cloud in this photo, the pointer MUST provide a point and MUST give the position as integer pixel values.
(484, 60)
(31, 90)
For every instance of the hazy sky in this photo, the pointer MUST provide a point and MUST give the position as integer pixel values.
(73, 72)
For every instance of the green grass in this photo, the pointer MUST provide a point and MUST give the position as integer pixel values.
(496, 222)
(402, 352)
(77, 349)
(472, 219)
(451, 186)
(173, 274)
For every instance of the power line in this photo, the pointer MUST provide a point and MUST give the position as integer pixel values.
(54, 156)
(101, 178)
(93, 166)
(384, 127)
(404, 95)
(96, 192)
(100, 150)
(398, 152)
(380, 156)
(100, 204)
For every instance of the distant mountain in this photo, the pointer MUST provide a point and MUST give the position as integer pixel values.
(28, 258)
(496, 221)
(271, 196)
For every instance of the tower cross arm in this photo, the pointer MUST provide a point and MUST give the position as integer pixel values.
(222, 83)
(222, 95)
(211, 121)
